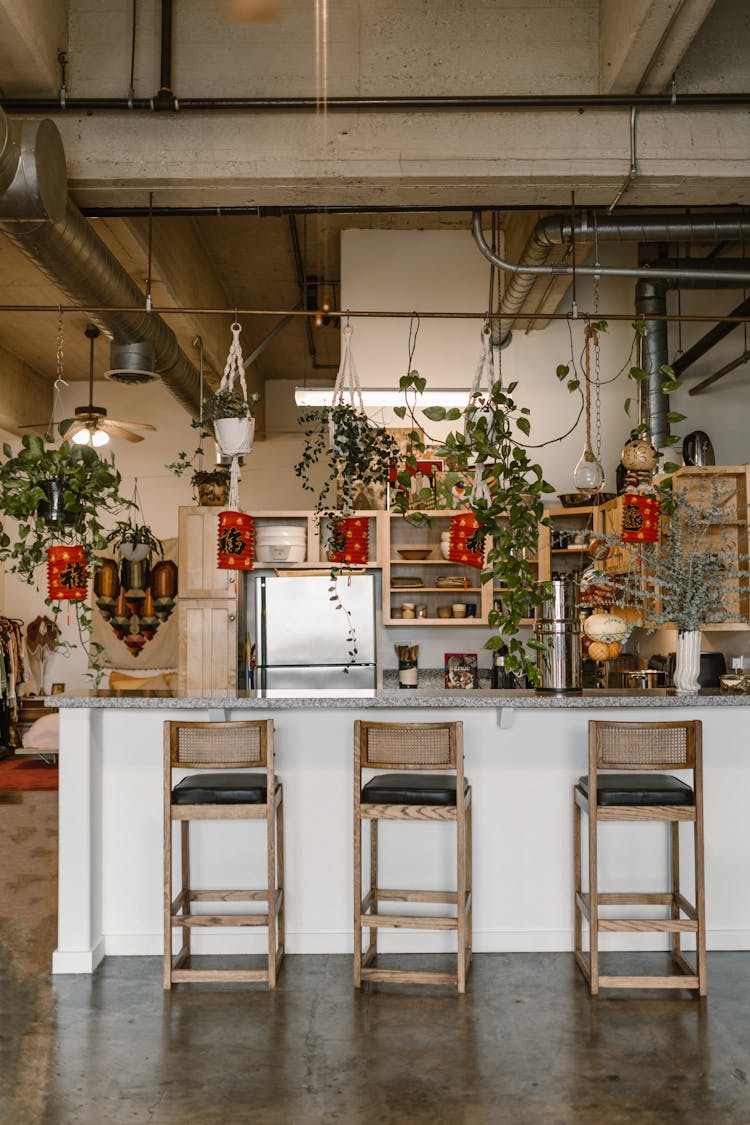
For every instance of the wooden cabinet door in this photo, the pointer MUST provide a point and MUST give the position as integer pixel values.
(199, 576)
(207, 659)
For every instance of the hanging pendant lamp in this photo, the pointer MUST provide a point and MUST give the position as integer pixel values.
(588, 475)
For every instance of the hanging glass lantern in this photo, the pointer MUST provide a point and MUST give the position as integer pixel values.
(67, 577)
(588, 475)
(236, 541)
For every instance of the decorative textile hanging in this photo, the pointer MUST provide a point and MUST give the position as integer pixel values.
(67, 577)
(640, 518)
(463, 528)
(236, 541)
(352, 536)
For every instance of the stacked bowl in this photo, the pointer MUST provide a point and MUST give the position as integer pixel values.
(276, 543)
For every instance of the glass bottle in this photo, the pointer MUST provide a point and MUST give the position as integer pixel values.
(500, 679)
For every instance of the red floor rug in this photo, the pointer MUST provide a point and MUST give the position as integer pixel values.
(23, 775)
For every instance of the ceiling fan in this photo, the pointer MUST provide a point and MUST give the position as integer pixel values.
(91, 425)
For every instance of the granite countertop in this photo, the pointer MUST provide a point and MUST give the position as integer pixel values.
(384, 698)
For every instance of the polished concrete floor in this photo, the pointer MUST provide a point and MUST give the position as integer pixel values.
(525, 1045)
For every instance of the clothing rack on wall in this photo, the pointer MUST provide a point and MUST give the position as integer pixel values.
(12, 675)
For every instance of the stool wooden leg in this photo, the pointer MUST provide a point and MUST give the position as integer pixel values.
(593, 904)
(460, 902)
(674, 851)
(185, 883)
(271, 888)
(578, 880)
(167, 967)
(281, 934)
(700, 901)
(469, 882)
(357, 899)
(372, 948)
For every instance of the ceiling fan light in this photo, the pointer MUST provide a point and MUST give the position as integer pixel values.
(99, 438)
(82, 437)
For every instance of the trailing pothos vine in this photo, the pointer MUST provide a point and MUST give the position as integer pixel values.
(506, 501)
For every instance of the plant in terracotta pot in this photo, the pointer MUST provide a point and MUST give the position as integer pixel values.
(210, 485)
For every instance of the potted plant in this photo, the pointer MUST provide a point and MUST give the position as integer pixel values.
(359, 450)
(694, 576)
(233, 421)
(211, 485)
(134, 541)
(89, 488)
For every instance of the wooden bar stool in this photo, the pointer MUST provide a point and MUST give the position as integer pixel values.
(222, 795)
(647, 795)
(412, 796)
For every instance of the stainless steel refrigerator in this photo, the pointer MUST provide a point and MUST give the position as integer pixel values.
(302, 637)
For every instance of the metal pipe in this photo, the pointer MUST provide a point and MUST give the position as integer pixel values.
(165, 81)
(38, 216)
(582, 230)
(711, 338)
(354, 104)
(651, 302)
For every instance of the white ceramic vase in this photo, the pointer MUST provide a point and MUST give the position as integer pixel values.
(234, 435)
(688, 662)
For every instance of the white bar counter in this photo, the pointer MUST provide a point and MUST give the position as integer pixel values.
(523, 751)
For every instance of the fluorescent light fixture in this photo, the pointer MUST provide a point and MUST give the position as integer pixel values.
(386, 396)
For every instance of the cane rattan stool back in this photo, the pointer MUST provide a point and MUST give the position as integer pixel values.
(642, 790)
(427, 783)
(216, 790)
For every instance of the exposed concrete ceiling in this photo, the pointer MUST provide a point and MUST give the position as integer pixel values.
(498, 160)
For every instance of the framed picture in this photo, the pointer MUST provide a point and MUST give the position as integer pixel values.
(461, 670)
(421, 494)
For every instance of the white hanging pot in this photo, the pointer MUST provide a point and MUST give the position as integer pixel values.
(133, 552)
(234, 435)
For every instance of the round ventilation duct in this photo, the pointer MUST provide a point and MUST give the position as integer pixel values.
(132, 363)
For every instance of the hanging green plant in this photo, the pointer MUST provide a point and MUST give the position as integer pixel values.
(89, 487)
(506, 499)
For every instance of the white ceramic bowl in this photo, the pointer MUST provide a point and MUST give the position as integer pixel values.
(445, 549)
(282, 534)
(280, 552)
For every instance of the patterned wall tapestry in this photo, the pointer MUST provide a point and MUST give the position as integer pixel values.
(138, 628)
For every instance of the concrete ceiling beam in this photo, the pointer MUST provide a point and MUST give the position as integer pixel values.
(480, 159)
(31, 33)
(642, 42)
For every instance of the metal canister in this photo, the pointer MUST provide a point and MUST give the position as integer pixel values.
(558, 629)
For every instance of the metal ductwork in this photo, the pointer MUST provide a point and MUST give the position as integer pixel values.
(37, 215)
(557, 230)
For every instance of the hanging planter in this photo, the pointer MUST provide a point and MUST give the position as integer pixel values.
(230, 410)
(640, 518)
(52, 510)
(67, 577)
(234, 436)
(236, 541)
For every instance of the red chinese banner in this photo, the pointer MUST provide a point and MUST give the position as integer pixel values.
(67, 577)
(640, 518)
(236, 541)
(352, 538)
(463, 528)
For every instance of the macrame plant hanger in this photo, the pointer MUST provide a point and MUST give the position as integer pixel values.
(481, 389)
(234, 370)
(347, 390)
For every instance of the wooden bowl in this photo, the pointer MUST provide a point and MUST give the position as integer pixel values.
(414, 554)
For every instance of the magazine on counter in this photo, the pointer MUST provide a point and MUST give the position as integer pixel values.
(461, 670)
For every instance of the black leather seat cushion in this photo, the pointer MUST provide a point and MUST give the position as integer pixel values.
(639, 789)
(221, 789)
(411, 789)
